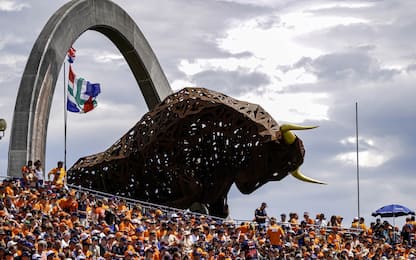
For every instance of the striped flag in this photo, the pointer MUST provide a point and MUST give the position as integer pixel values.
(71, 55)
(81, 94)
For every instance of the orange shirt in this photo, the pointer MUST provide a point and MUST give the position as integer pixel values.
(160, 233)
(127, 226)
(294, 224)
(53, 209)
(19, 203)
(9, 191)
(68, 204)
(58, 175)
(121, 208)
(275, 234)
(243, 228)
(209, 237)
(68, 223)
(335, 240)
(100, 212)
(355, 224)
(38, 206)
(363, 226)
(310, 221)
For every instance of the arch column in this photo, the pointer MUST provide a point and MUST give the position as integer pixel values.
(37, 86)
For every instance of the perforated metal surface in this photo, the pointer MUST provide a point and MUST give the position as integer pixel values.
(191, 148)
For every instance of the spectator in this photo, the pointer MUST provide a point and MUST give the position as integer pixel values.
(260, 215)
(275, 234)
(284, 223)
(362, 225)
(355, 223)
(69, 203)
(301, 233)
(28, 174)
(58, 175)
(333, 222)
(309, 221)
(249, 248)
(83, 205)
(293, 219)
(38, 174)
(321, 221)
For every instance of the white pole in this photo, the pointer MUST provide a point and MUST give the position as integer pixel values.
(65, 120)
(358, 168)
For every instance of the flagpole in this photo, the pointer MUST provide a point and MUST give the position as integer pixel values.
(65, 119)
(358, 168)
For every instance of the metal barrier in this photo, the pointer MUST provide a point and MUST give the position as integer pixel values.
(143, 204)
(147, 206)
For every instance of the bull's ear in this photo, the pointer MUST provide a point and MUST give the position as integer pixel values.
(290, 137)
(298, 175)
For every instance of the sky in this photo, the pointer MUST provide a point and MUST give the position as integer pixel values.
(305, 62)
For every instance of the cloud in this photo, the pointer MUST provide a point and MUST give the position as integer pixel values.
(234, 83)
(410, 68)
(351, 66)
(12, 62)
(9, 40)
(12, 6)
(191, 32)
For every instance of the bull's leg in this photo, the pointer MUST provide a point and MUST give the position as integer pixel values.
(190, 191)
(219, 208)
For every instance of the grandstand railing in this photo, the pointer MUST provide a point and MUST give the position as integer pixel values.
(147, 206)
(143, 204)
(170, 210)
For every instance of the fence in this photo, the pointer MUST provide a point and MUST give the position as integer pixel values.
(146, 206)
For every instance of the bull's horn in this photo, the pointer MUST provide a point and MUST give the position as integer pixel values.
(290, 137)
(298, 175)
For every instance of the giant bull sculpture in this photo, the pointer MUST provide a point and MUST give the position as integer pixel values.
(191, 148)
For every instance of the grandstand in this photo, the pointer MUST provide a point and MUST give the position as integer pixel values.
(78, 223)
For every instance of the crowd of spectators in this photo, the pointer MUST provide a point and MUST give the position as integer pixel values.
(52, 222)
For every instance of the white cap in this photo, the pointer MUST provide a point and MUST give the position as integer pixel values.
(11, 243)
(36, 256)
(84, 236)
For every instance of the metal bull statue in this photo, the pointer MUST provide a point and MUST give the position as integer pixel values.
(191, 148)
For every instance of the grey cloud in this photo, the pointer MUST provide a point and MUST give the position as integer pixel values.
(190, 33)
(355, 66)
(387, 28)
(411, 67)
(241, 55)
(232, 83)
(12, 6)
(268, 22)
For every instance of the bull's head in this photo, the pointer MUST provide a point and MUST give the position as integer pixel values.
(281, 155)
(290, 138)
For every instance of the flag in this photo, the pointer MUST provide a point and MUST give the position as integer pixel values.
(81, 94)
(71, 55)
